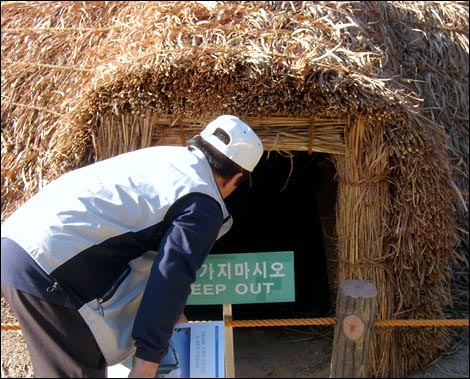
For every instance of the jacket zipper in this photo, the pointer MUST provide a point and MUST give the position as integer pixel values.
(109, 293)
(57, 287)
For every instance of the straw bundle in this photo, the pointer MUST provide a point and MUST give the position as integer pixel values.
(381, 86)
(123, 133)
(366, 203)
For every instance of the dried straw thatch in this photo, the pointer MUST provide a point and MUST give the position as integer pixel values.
(381, 86)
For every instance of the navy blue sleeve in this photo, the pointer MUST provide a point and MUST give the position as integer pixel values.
(196, 221)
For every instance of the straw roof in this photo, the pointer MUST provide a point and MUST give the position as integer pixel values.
(381, 86)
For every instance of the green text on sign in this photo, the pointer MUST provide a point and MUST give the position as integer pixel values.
(245, 278)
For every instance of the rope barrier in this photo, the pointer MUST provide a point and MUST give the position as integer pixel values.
(318, 321)
(10, 327)
(333, 321)
(280, 322)
(448, 322)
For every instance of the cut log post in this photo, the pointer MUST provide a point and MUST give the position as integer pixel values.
(229, 348)
(355, 310)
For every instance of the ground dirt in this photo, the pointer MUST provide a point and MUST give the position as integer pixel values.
(260, 352)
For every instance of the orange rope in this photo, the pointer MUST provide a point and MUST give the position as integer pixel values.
(317, 321)
(10, 327)
(448, 322)
(333, 321)
(281, 322)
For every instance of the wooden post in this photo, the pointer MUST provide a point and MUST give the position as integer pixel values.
(229, 351)
(355, 310)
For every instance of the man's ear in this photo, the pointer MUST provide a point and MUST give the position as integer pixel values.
(234, 179)
(230, 184)
(227, 185)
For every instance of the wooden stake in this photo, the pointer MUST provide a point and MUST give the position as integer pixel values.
(355, 309)
(229, 351)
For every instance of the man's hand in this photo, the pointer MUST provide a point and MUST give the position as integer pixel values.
(143, 369)
(146, 369)
(182, 319)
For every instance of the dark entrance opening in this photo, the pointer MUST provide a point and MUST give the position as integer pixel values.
(282, 209)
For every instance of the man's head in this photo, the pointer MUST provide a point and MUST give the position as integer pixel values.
(234, 139)
(232, 148)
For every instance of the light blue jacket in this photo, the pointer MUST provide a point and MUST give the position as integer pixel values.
(98, 231)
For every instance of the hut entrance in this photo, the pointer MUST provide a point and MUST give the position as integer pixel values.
(289, 206)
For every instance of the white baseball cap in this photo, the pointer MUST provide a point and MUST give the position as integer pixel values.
(243, 147)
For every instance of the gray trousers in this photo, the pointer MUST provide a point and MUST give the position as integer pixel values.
(59, 342)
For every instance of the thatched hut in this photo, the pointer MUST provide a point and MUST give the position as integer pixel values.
(373, 95)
